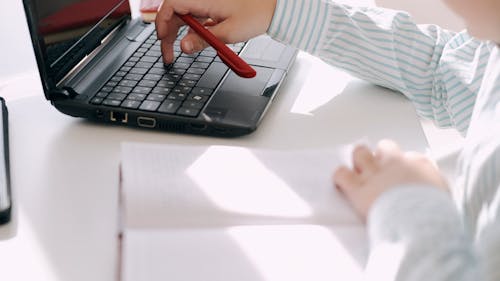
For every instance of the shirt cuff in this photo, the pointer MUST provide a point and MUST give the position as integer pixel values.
(413, 212)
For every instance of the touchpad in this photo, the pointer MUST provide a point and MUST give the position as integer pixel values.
(247, 86)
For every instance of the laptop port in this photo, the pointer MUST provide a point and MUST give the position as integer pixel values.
(118, 117)
(147, 122)
(198, 126)
(219, 130)
(99, 114)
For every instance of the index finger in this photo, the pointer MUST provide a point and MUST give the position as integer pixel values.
(167, 27)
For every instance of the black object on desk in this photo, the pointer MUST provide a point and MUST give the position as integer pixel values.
(5, 193)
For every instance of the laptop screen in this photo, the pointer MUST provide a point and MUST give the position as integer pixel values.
(68, 30)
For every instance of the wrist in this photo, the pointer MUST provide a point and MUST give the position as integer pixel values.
(403, 210)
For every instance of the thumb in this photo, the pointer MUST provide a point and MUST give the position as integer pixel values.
(193, 42)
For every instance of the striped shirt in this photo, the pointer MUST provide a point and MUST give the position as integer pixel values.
(419, 233)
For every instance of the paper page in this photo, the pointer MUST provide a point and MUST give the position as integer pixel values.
(196, 186)
(246, 253)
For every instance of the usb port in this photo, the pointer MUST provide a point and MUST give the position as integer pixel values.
(147, 122)
(198, 126)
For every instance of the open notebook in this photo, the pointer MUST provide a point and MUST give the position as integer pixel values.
(233, 213)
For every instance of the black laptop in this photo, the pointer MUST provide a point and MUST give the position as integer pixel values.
(98, 63)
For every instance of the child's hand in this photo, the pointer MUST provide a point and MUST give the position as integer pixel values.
(230, 20)
(387, 167)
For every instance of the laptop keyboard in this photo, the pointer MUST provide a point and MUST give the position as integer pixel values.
(144, 82)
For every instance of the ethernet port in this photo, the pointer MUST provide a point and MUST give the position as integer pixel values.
(118, 116)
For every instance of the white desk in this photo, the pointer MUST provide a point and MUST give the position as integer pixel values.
(65, 170)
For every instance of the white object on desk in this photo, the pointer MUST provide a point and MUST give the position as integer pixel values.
(226, 213)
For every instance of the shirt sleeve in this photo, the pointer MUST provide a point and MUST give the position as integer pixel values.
(388, 48)
(416, 234)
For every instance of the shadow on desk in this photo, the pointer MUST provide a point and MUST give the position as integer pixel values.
(9, 230)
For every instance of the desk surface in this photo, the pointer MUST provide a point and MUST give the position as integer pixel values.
(65, 170)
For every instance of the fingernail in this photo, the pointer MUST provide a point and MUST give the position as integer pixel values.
(188, 46)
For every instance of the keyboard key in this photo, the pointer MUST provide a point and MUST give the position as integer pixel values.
(148, 105)
(120, 73)
(128, 83)
(192, 76)
(169, 106)
(156, 70)
(141, 90)
(107, 89)
(138, 70)
(193, 104)
(166, 84)
(178, 71)
(177, 96)
(134, 77)
(235, 48)
(116, 96)
(112, 83)
(180, 89)
(193, 56)
(209, 53)
(102, 94)
(110, 102)
(204, 59)
(197, 98)
(147, 83)
(203, 65)
(143, 64)
(196, 70)
(185, 60)
(187, 111)
(171, 77)
(136, 96)
(153, 53)
(152, 77)
(129, 64)
(122, 89)
(161, 90)
(132, 104)
(125, 68)
(156, 97)
(149, 59)
(133, 59)
(202, 91)
(180, 65)
(156, 47)
(212, 76)
(159, 65)
(96, 100)
(187, 83)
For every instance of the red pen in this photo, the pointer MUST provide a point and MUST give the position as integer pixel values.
(149, 8)
(231, 59)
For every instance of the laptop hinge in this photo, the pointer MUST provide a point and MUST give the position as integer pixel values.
(62, 93)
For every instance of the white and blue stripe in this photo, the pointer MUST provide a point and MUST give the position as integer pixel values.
(452, 79)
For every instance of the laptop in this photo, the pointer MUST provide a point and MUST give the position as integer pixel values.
(98, 63)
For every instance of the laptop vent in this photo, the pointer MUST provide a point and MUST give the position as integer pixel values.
(172, 126)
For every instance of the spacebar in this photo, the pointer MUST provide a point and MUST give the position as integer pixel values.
(212, 76)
